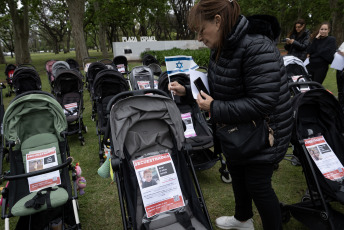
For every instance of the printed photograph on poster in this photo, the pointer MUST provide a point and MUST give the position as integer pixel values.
(189, 131)
(159, 184)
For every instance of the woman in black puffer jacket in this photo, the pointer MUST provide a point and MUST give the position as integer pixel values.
(247, 83)
(298, 40)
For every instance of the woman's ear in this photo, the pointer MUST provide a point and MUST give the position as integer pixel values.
(218, 21)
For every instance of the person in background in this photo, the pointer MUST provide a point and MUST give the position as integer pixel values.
(321, 52)
(297, 41)
(247, 82)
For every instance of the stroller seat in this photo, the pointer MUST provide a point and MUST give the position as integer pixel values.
(58, 195)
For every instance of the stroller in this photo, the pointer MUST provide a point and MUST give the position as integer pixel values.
(150, 61)
(39, 189)
(9, 70)
(318, 143)
(73, 64)
(56, 67)
(26, 78)
(107, 84)
(198, 134)
(147, 138)
(142, 77)
(296, 72)
(68, 91)
(92, 71)
(121, 62)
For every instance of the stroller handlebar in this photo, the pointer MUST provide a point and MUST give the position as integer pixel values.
(26, 175)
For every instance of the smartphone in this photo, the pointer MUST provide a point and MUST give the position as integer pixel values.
(200, 85)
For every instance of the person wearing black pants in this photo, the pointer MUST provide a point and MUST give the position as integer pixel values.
(340, 87)
(247, 87)
(321, 53)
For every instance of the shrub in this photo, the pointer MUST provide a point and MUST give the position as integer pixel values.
(200, 56)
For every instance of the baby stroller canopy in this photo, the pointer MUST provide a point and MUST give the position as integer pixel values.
(32, 103)
(140, 108)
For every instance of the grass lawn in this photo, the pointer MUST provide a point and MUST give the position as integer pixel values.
(99, 207)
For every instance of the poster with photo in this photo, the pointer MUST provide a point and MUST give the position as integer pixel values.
(324, 158)
(299, 78)
(143, 84)
(38, 160)
(159, 184)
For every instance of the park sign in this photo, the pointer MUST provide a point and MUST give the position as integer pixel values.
(142, 39)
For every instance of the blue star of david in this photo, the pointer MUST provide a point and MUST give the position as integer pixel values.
(179, 65)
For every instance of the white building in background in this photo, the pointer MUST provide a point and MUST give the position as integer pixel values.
(132, 47)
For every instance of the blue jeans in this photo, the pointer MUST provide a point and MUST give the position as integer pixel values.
(253, 182)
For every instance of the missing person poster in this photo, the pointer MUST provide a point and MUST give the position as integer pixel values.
(71, 109)
(324, 158)
(159, 184)
(38, 160)
(143, 84)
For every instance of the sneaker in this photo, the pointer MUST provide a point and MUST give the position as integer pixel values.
(229, 222)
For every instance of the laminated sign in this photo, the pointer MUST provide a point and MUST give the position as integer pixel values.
(159, 184)
(325, 159)
(38, 160)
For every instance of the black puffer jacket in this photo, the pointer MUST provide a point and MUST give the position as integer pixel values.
(248, 82)
(299, 46)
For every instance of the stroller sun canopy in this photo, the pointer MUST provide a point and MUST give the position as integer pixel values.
(35, 103)
(127, 112)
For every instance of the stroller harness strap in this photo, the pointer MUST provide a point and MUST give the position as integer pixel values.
(40, 199)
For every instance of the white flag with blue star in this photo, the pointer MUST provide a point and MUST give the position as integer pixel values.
(179, 64)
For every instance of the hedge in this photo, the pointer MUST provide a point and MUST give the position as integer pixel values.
(200, 56)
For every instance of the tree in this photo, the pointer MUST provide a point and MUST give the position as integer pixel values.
(76, 10)
(181, 9)
(99, 7)
(20, 19)
(6, 32)
(51, 18)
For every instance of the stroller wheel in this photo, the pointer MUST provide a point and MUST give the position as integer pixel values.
(306, 198)
(82, 143)
(85, 129)
(92, 118)
(226, 180)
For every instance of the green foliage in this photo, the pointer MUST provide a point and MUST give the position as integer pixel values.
(200, 56)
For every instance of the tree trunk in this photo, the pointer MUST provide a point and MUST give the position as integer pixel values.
(337, 20)
(102, 32)
(76, 10)
(21, 31)
(2, 58)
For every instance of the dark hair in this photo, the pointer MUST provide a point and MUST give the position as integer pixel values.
(206, 10)
(315, 32)
(293, 31)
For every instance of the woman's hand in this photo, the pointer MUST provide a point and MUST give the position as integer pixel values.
(341, 53)
(318, 35)
(204, 100)
(177, 89)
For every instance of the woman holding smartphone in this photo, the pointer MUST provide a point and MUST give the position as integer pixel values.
(247, 82)
(297, 41)
(321, 52)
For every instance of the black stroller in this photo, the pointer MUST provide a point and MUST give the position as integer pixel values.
(121, 62)
(107, 84)
(200, 136)
(318, 143)
(26, 79)
(141, 77)
(147, 137)
(68, 90)
(296, 72)
(9, 70)
(39, 189)
(92, 71)
(73, 64)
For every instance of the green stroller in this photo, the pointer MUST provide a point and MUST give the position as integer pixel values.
(39, 189)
